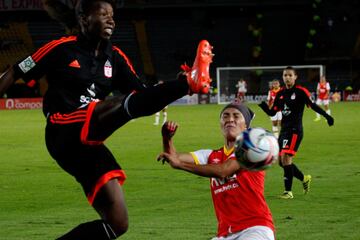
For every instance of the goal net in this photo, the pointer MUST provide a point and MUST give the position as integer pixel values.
(258, 78)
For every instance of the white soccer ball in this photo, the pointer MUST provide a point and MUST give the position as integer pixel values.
(256, 149)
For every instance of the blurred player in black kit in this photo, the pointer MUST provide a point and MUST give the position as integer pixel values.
(81, 71)
(291, 101)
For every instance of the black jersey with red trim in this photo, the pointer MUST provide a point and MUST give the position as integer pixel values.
(75, 75)
(291, 103)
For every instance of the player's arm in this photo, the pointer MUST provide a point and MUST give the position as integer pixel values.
(186, 161)
(125, 79)
(6, 80)
(316, 108)
(32, 67)
(318, 90)
(269, 111)
(268, 98)
(222, 170)
(168, 131)
(328, 90)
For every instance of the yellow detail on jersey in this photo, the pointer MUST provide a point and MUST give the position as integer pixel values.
(227, 152)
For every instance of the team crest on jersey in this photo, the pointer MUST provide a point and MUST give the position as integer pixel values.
(108, 69)
(27, 64)
(293, 96)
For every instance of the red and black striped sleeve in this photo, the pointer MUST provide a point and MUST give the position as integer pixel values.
(36, 65)
(126, 79)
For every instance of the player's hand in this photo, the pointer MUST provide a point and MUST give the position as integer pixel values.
(172, 159)
(168, 129)
(330, 120)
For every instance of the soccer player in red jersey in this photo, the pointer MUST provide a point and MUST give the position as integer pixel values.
(82, 70)
(291, 100)
(276, 119)
(237, 194)
(323, 96)
(242, 89)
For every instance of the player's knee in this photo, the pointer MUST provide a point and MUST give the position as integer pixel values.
(120, 227)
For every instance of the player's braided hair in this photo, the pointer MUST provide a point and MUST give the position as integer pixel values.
(67, 15)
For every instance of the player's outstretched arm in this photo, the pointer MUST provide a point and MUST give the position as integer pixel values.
(316, 108)
(266, 109)
(168, 130)
(208, 170)
(6, 80)
(169, 153)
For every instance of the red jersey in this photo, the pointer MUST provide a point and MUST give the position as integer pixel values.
(271, 96)
(323, 90)
(239, 199)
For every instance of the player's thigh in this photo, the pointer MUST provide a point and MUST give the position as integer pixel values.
(289, 142)
(91, 165)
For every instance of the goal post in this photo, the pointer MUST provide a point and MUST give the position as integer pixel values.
(258, 78)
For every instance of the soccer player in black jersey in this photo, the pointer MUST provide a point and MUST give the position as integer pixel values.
(291, 100)
(81, 71)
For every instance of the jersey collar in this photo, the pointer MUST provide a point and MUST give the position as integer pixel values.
(227, 152)
(105, 47)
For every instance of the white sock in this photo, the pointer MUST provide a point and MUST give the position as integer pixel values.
(275, 131)
(157, 118)
(165, 117)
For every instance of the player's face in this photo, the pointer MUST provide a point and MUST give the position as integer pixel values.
(276, 84)
(232, 123)
(322, 79)
(100, 23)
(289, 77)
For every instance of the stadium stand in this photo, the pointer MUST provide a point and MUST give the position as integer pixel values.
(171, 31)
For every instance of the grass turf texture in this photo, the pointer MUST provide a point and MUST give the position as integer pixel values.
(39, 201)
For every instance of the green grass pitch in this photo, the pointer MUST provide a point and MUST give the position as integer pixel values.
(39, 201)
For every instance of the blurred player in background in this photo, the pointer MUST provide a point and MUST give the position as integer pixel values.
(242, 89)
(82, 70)
(323, 96)
(164, 112)
(291, 100)
(237, 194)
(276, 119)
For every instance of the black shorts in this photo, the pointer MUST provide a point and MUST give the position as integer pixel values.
(92, 164)
(289, 141)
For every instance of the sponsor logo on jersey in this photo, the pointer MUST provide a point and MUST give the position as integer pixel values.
(89, 97)
(27, 64)
(108, 69)
(286, 111)
(293, 96)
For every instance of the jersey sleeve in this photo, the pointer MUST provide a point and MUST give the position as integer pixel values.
(328, 86)
(306, 95)
(126, 79)
(39, 63)
(277, 105)
(201, 156)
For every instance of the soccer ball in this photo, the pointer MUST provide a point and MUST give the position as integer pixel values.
(256, 149)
